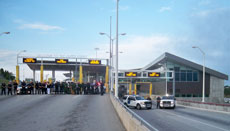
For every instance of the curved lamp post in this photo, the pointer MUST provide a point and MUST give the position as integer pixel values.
(203, 95)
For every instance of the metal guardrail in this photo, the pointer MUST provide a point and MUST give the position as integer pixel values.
(205, 103)
(142, 121)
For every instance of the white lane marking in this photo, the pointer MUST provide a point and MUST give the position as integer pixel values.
(205, 109)
(195, 120)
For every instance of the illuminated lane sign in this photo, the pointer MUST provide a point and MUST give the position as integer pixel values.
(154, 74)
(29, 60)
(130, 74)
(94, 62)
(61, 61)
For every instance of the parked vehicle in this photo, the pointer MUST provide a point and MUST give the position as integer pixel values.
(136, 101)
(227, 100)
(168, 102)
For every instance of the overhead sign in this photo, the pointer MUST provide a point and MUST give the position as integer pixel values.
(130, 74)
(94, 62)
(29, 60)
(154, 74)
(61, 61)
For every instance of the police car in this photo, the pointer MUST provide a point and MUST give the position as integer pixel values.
(137, 102)
(168, 102)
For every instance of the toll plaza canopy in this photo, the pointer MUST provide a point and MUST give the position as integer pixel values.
(70, 66)
(90, 68)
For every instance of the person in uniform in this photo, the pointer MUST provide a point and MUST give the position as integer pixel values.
(43, 88)
(102, 88)
(40, 88)
(15, 87)
(32, 87)
(48, 87)
(56, 87)
(23, 87)
(29, 88)
(3, 86)
(36, 88)
(87, 88)
(78, 88)
(158, 101)
(62, 85)
(10, 88)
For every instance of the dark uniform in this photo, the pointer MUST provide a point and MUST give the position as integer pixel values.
(158, 101)
(40, 88)
(32, 87)
(15, 87)
(102, 88)
(23, 87)
(10, 88)
(62, 86)
(29, 88)
(36, 88)
(3, 89)
(78, 88)
(56, 88)
(87, 88)
(44, 91)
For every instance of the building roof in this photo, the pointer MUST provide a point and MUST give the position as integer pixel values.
(175, 59)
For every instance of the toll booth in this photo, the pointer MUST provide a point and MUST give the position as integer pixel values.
(141, 81)
(80, 69)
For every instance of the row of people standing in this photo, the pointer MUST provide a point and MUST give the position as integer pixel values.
(9, 88)
(48, 88)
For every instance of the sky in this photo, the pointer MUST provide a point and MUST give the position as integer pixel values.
(152, 27)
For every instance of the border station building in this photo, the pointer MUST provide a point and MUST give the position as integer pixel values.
(188, 79)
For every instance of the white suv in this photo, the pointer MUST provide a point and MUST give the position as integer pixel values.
(136, 101)
(168, 102)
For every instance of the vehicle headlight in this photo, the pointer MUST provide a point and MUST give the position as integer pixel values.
(142, 103)
(161, 102)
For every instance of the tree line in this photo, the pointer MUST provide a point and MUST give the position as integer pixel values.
(4, 74)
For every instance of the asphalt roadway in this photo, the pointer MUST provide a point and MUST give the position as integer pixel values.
(58, 113)
(185, 119)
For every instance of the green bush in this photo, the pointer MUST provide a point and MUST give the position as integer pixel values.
(4, 74)
(227, 92)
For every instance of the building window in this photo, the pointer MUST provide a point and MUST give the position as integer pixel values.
(189, 75)
(120, 74)
(177, 69)
(195, 76)
(177, 76)
(183, 75)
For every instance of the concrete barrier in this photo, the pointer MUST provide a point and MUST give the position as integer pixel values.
(209, 106)
(129, 120)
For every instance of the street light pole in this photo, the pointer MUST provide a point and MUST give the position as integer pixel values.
(166, 79)
(203, 95)
(96, 49)
(17, 67)
(116, 70)
(111, 56)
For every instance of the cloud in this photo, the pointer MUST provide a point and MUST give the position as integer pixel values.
(40, 26)
(211, 30)
(163, 9)
(138, 51)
